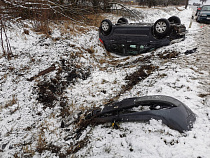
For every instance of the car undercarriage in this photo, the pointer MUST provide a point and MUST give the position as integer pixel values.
(135, 38)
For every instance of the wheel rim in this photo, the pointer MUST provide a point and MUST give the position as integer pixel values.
(161, 27)
(105, 26)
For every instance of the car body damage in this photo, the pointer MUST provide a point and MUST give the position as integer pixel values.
(171, 111)
(135, 38)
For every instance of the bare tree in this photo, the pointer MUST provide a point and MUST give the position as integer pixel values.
(5, 44)
(203, 1)
(186, 4)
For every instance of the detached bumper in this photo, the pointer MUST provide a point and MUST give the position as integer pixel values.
(171, 111)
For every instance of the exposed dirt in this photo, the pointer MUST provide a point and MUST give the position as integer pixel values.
(66, 73)
(138, 76)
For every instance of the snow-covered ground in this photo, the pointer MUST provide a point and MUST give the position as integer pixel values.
(86, 76)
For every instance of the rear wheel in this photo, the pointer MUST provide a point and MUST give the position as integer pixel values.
(174, 20)
(106, 27)
(122, 21)
(162, 28)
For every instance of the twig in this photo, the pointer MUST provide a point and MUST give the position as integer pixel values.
(8, 50)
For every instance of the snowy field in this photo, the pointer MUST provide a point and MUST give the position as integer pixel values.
(32, 107)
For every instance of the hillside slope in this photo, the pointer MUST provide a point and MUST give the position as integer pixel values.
(51, 79)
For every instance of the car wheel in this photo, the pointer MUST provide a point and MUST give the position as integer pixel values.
(162, 28)
(174, 20)
(122, 21)
(106, 27)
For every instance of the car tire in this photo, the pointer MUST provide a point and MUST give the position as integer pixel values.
(106, 27)
(162, 28)
(122, 21)
(174, 20)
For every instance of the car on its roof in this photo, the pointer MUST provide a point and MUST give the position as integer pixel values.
(203, 15)
(135, 38)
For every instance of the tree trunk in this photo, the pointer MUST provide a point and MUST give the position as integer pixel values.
(186, 4)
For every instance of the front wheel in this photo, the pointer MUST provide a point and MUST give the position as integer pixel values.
(162, 28)
(106, 27)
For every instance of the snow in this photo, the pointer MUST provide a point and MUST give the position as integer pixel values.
(27, 124)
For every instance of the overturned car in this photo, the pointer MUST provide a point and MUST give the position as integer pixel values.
(171, 111)
(135, 38)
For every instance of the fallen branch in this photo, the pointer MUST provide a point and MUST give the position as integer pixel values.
(48, 70)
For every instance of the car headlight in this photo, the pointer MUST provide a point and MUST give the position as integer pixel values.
(203, 14)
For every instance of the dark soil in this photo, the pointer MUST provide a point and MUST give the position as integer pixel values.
(51, 90)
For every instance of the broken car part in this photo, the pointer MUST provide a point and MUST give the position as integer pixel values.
(171, 111)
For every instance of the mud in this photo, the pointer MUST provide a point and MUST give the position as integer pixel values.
(51, 90)
(168, 54)
(139, 75)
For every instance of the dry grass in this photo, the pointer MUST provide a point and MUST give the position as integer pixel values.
(41, 143)
(14, 110)
(42, 27)
(64, 26)
(28, 151)
(204, 95)
(169, 54)
(91, 50)
(95, 19)
(163, 75)
(26, 31)
(11, 102)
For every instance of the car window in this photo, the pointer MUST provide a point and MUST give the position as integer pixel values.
(206, 8)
